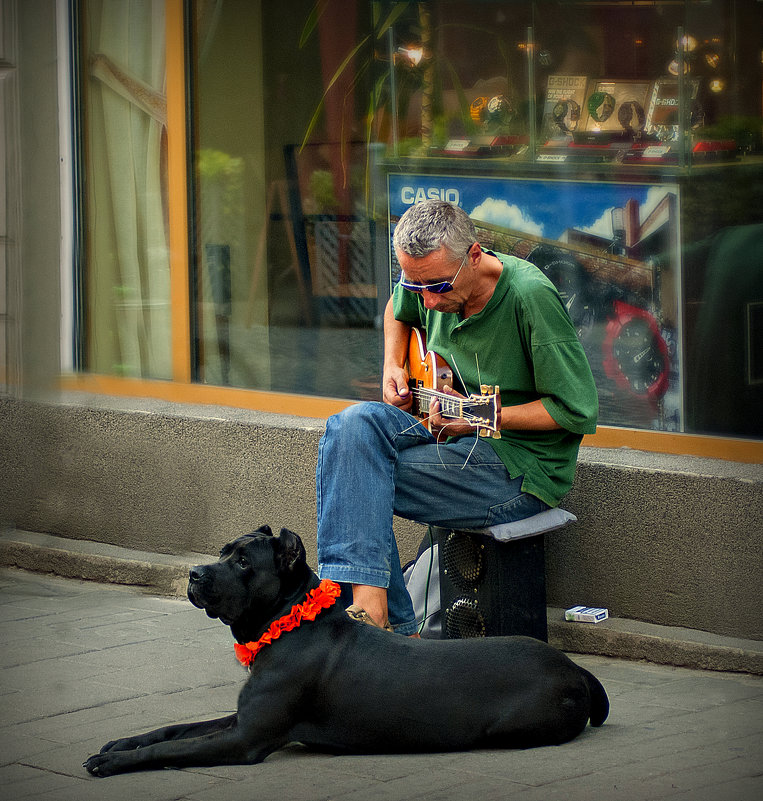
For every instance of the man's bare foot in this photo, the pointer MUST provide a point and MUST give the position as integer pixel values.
(373, 601)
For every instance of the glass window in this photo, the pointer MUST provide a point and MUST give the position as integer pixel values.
(616, 145)
(125, 274)
(586, 137)
(285, 288)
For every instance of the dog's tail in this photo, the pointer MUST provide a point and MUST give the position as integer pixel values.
(599, 699)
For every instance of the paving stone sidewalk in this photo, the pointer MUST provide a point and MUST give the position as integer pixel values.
(82, 663)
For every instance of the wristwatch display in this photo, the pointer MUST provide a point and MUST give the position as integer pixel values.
(601, 105)
(632, 116)
(478, 110)
(499, 110)
(635, 353)
(566, 114)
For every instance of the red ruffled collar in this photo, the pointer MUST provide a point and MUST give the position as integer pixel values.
(322, 597)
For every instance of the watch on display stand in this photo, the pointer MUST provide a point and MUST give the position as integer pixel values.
(632, 117)
(566, 115)
(563, 108)
(492, 117)
(594, 121)
(615, 111)
(636, 356)
(600, 106)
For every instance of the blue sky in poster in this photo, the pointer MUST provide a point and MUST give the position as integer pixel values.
(541, 208)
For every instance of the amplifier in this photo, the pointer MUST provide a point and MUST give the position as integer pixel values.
(490, 588)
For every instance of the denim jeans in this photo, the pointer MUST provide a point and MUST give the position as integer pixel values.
(375, 460)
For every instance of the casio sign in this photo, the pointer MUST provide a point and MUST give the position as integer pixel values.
(411, 195)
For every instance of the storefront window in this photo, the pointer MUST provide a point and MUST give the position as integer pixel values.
(125, 268)
(615, 145)
(595, 140)
(286, 296)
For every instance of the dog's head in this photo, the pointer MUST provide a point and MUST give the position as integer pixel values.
(253, 577)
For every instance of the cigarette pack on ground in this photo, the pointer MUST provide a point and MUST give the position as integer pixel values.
(586, 614)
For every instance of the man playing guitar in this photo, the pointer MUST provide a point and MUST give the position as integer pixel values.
(498, 321)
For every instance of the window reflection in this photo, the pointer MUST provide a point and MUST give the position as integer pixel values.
(285, 294)
(300, 129)
(127, 258)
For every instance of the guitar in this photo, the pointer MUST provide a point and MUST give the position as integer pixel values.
(428, 373)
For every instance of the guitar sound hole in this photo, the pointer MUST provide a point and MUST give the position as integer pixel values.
(462, 559)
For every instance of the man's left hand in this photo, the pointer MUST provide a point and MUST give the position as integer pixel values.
(443, 427)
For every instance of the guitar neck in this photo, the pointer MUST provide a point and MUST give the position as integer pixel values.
(449, 406)
(480, 411)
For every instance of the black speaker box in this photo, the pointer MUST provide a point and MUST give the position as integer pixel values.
(490, 588)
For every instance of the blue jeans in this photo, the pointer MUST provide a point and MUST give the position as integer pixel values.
(374, 461)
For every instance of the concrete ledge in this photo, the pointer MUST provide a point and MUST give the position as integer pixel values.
(668, 540)
(157, 573)
(664, 645)
(167, 575)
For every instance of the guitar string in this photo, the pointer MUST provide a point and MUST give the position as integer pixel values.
(463, 384)
(479, 383)
(454, 405)
(423, 391)
(437, 440)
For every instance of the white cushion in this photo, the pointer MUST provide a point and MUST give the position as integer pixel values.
(529, 526)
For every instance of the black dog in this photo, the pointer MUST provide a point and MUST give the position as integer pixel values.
(339, 685)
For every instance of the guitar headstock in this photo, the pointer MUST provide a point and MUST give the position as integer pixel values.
(484, 411)
(494, 392)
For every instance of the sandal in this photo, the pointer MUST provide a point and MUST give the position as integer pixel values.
(358, 613)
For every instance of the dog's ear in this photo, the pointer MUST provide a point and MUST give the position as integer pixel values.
(289, 550)
(264, 529)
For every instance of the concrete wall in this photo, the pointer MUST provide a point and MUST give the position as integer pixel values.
(162, 478)
(668, 540)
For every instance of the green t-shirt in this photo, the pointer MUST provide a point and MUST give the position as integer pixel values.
(524, 342)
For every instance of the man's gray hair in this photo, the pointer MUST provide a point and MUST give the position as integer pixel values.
(432, 224)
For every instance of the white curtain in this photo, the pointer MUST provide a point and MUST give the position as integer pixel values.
(127, 280)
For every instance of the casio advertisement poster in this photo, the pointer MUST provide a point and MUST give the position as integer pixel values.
(611, 251)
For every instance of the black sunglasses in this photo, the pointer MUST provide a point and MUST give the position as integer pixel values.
(438, 288)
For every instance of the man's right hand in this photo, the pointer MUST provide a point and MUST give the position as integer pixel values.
(395, 390)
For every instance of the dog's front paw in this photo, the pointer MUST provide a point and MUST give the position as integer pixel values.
(123, 744)
(100, 765)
